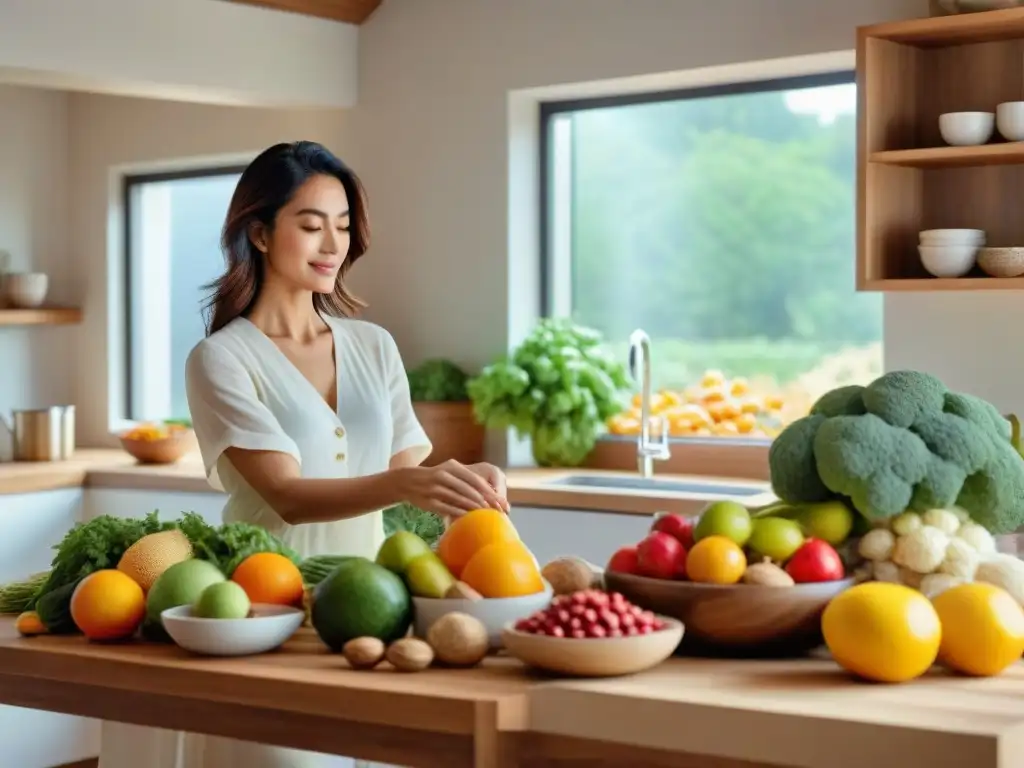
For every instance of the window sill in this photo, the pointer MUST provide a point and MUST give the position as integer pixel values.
(711, 457)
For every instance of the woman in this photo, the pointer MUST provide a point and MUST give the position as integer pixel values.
(302, 414)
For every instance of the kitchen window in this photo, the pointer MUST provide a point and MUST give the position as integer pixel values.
(721, 220)
(172, 243)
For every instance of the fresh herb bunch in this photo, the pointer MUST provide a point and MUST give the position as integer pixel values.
(406, 517)
(559, 387)
(100, 542)
(438, 381)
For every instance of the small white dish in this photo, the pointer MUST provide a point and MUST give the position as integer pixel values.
(595, 657)
(952, 237)
(948, 260)
(1010, 120)
(493, 612)
(268, 628)
(964, 129)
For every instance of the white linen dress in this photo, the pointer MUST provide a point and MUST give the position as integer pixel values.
(244, 392)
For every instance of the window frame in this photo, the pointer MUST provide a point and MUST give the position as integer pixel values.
(734, 456)
(129, 183)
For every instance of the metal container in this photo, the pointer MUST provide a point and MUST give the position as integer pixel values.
(44, 434)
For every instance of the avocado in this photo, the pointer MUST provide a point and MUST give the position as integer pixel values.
(360, 599)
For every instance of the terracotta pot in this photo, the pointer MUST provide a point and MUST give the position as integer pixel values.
(452, 430)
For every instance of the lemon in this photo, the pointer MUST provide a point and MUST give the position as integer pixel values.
(982, 629)
(716, 560)
(887, 633)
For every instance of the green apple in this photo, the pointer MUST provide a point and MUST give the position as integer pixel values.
(830, 521)
(724, 518)
(776, 538)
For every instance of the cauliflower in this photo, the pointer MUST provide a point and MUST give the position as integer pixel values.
(981, 541)
(934, 584)
(961, 559)
(876, 544)
(905, 523)
(887, 571)
(904, 442)
(922, 550)
(943, 519)
(1003, 570)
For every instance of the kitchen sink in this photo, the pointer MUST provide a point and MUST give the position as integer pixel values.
(655, 484)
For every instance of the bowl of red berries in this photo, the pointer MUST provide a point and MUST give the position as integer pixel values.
(592, 633)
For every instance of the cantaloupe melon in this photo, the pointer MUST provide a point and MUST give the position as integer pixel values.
(151, 555)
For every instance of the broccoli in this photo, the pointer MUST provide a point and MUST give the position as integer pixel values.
(904, 442)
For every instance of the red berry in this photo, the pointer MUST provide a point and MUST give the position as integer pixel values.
(598, 631)
(556, 632)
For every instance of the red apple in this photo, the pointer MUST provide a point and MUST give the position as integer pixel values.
(623, 561)
(678, 527)
(816, 560)
(661, 556)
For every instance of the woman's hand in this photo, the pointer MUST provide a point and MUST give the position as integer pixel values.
(451, 489)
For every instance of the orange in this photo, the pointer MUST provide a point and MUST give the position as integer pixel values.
(503, 569)
(108, 605)
(268, 577)
(470, 533)
(716, 560)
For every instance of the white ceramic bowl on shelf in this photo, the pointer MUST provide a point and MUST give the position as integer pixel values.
(952, 237)
(964, 129)
(1010, 120)
(269, 627)
(948, 260)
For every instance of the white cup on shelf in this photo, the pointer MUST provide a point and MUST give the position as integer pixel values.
(1010, 120)
(966, 129)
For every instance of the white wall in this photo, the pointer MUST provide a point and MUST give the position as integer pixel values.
(35, 230)
(197, 50)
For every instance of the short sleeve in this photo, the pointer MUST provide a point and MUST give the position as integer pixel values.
(226, 410)
(407, 431)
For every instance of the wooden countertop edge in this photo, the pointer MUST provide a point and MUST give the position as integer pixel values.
(114, 469)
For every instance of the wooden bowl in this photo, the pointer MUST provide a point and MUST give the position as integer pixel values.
(593, 657)
(165, 450)
(735, 621)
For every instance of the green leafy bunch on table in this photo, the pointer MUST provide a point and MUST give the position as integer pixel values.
(100, 544)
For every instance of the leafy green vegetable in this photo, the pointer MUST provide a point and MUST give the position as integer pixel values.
(406, 517)
(559, 387)
(438, 381)
(231, 543)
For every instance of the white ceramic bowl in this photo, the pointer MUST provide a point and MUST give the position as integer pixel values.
(952, 237)
(962, 129)
(494, 612)
(25, 290)
(594, 657)
(1010, 120)
(948, 260)
(267, 629)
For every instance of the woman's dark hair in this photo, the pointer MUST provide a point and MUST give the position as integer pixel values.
(265, 187)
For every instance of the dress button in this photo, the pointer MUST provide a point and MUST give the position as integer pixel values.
(339, 432)
(339, 457)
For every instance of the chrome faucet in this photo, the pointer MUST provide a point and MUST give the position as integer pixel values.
(647, 450)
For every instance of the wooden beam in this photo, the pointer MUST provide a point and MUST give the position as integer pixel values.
(349, 11)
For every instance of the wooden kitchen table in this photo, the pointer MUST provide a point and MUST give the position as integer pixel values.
(299, 696)
(699, 713)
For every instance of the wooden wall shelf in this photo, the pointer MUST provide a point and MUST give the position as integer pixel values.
(41, 316)
(909, 179)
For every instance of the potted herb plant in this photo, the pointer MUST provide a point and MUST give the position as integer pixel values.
(559, 388)
(439, 398)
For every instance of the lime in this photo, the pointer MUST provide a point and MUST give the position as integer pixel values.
(224, 600)
(887, 633)
(830, 521)
(776, 537)
(982, 629)
(399, 549)
(724, 518)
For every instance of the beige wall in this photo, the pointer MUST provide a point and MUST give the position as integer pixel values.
(35, 229)
(109, 134)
